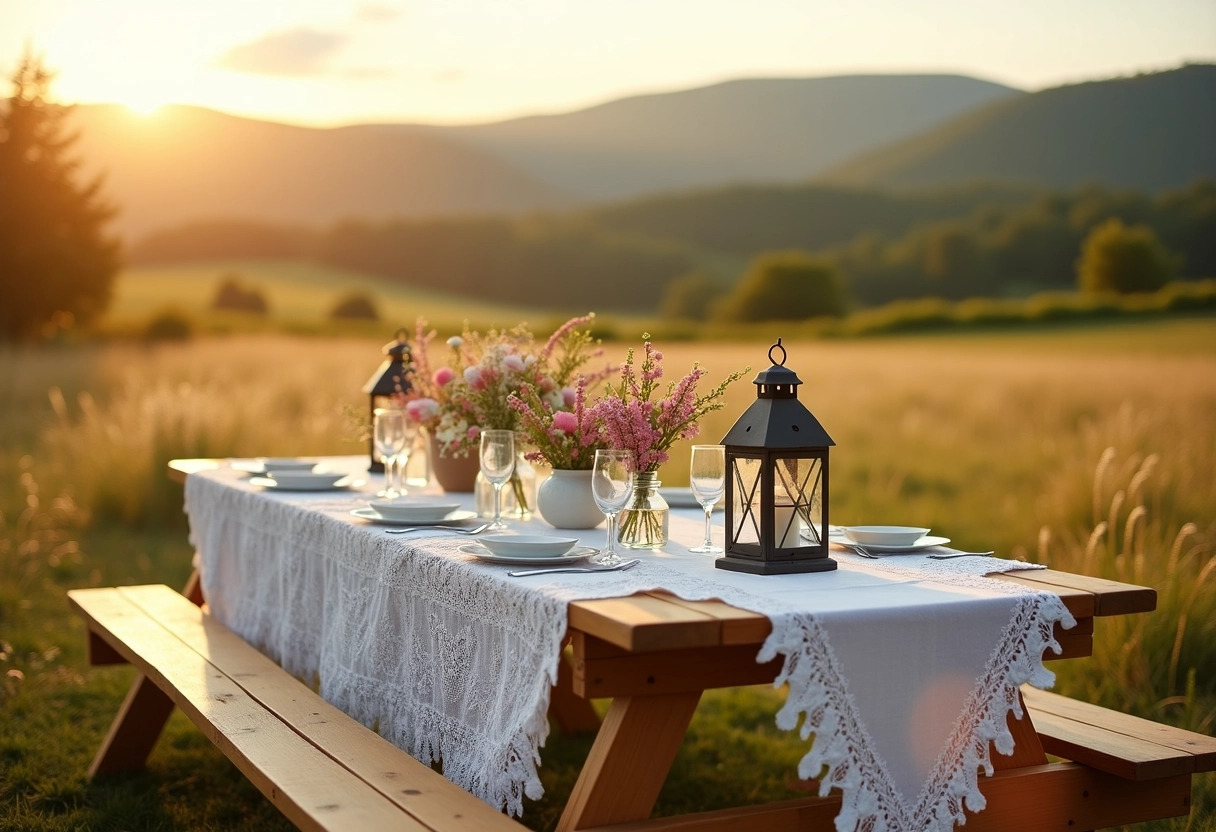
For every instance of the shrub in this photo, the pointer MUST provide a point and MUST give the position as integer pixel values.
(1123, 259)
(786, 286)
(169, 325)
(233, 296)
(355, 306)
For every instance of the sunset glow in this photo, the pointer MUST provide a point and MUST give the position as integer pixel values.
(329, 62)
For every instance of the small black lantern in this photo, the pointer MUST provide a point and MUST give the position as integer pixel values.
(777, 481)
(389, 379)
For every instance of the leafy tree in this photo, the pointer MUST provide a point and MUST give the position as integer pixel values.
(690, 296)
(1123, 259)
(786, 286)
(233, 296)
(355, 306)
(57, 265)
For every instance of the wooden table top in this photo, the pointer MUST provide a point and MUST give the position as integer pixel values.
(656, 621)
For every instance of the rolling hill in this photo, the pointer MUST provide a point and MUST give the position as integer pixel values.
(779, 130)
(1148, 132)
(188, 164)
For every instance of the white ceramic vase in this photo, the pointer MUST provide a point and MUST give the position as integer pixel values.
(565, 501)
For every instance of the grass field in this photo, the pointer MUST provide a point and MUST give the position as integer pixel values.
(1092, 449)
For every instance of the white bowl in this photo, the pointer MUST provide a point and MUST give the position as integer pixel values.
(286, 464)
(305, 479)
(416, 511)
(885, 535)
(528, 545)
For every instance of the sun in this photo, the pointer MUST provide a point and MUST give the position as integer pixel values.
(144, 103)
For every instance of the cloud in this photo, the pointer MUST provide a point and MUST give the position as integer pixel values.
(294, 52)
(376, 13)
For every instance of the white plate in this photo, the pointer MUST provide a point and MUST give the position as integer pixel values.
(527, 545)
(308, 482)
(927, 542)
(265, 464)
(415, 511)
(455, 518)
(681, 498)
(884, 535)
(573, 556)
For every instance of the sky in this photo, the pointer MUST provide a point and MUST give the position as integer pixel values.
(334, 62)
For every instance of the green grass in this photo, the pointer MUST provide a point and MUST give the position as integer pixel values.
(1091, 448)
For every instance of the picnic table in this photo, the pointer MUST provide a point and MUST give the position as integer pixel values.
(654, 653)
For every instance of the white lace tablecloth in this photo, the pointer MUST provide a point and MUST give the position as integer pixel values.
(903, 669)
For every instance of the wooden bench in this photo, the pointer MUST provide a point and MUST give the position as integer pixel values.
(1127, 746)
(319, 767)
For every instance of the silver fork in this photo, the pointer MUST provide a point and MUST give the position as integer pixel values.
(616, 567)
(865, 554)
(452, 529)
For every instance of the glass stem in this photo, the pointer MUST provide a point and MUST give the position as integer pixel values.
(610, 547)
(497, 503)
(708, 511)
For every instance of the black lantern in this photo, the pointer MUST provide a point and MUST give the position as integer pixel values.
(387, 380)
(777, 481)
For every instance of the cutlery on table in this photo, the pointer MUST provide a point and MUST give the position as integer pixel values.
(452, 529)
(867, 554)
(617, 567)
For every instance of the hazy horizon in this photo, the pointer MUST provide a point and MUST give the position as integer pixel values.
(329, 63)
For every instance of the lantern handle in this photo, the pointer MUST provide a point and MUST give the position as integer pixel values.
(777, 346)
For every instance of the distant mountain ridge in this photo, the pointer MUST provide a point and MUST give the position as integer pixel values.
(188, 164)
(1149, 132)
(773, 130)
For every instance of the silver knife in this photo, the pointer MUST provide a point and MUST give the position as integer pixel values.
(523, 573)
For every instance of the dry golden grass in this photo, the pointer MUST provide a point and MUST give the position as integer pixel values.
(1093, 451)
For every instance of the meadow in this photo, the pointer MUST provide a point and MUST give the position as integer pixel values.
(1090, 448)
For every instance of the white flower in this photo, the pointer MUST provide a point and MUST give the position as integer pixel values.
(455, 342)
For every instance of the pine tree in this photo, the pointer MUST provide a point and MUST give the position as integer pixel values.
(57, 265)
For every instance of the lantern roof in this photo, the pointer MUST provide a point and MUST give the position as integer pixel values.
(776, 419)
(389, 377)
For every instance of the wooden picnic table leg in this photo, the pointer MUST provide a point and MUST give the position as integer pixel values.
(142, 716)
(572, 713)
(629, 760)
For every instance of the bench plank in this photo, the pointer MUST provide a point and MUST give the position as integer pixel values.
(1196, 752)
(311, 790)
(207, 674)
(415, 787)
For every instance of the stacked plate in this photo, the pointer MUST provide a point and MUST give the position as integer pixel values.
(300, 480)
(890, 539)
(527, 548)
(407, 511)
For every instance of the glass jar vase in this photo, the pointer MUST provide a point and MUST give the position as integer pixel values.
(518, 493)
(643, 523)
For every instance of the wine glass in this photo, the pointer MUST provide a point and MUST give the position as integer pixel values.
(707, 476)
(611, 486)
(390, 434)
(497, 463)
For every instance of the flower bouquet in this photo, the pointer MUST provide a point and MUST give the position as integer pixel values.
(471, 392)
(633, 419)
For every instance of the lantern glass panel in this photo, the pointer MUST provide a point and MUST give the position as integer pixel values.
(745, 501)
(797, 501)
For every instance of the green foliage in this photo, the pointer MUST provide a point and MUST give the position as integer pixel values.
(355, 306)
(1116, 258)
(57, 265)
(690, 296)
(169, 325)
(233, 295)
(786, 286)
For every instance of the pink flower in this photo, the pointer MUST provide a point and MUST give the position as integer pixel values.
(566, 422)
(476, 378)
(473, 432)
(443, 376)
(422, 410)
(513, 363)
(569, 396)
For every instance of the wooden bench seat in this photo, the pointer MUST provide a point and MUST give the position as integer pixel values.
(1126, 746)
(321, 768)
